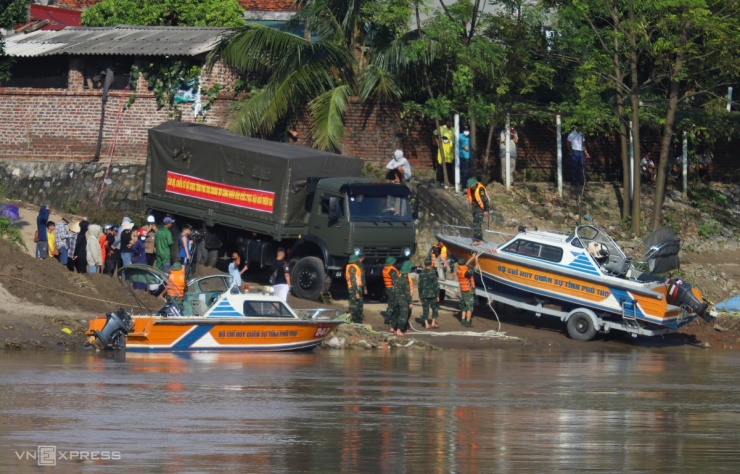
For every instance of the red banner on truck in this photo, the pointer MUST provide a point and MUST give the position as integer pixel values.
(255, 199)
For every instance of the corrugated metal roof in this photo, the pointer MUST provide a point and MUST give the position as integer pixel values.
(119, 40)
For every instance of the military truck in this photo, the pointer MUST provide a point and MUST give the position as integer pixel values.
(253, 196)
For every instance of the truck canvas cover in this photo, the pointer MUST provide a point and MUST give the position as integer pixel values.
(221, 173)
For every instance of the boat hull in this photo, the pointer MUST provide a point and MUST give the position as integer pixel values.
(161, 334)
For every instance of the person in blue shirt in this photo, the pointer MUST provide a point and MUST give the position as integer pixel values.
(465, 154)
(236, 269)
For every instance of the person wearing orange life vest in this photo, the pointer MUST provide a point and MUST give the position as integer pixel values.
(389, 274)
(479, 205)
(467, 291)
(355, 290)
(176, 285)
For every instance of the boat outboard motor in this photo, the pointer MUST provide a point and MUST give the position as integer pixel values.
(679, 293)
(170, 309)
(113, 334)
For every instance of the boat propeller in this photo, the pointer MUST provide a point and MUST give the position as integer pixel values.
(117, 325)
(680, 294)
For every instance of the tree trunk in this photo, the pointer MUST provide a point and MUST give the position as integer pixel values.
(621, 115)
(667, 137)
(428, 83)
(635, 104)
(486, 159)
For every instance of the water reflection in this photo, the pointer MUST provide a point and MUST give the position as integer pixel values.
(409, 411)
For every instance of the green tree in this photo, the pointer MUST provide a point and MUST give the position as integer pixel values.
(164, 12)
(319, 76)
(12, 12)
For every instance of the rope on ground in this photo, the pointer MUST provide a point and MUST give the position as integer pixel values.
(65, 292)
(490, 334)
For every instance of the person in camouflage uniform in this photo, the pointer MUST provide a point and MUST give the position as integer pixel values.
(467, 291)
(355, 289)
(429, 295)
(403, 294)
(479, 205)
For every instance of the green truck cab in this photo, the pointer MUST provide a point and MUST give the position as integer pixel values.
(253, 196)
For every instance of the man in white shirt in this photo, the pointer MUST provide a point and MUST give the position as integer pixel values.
(578, 155)
(399, 169)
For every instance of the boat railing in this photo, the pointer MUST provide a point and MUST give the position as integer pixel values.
(455, 230)
(320, 314)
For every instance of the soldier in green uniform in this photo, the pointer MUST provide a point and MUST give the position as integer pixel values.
(429, 295)
(403, 294)
(479, 206)
(355, 289)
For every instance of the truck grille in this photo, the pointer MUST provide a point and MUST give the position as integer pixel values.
(382, 252)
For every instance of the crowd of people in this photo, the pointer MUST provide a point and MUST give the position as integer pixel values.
(85, 247)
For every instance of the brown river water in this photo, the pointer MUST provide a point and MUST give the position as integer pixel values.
(642, 410)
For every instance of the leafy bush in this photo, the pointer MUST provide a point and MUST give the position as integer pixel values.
(709, 228)
(10, 232)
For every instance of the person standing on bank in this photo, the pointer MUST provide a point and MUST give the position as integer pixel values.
(281, 267)
(404, 290)
(62, 237)
(151, 229)
(513, 141)
(389, 275)
(353, 274)
(479, 206)
(163, 245)
(465, 154)
(467, 291)
(578, 156)
(445, 146)
(429, 295)
(185, 245)
(79, 256)
(41, 238)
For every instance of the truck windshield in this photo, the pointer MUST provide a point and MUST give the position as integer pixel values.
(363, 207)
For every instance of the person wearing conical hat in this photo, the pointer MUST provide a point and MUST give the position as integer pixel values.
(479, 205)
(390, 272)
(429, 295)
(404, 291)
(355, 290)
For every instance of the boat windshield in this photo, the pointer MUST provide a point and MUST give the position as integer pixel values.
(266, 309)
(369, 208)
(590, 237)
(538, 250)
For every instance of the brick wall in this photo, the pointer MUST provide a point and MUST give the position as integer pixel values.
(374, 132)
(268, 5)
(63, 124)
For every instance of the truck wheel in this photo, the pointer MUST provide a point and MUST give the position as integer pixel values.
(308, 278)
(212, 258)
(581, 327)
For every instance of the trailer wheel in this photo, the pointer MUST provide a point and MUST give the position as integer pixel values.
(581, 327)
(308, 278)
(212, 258)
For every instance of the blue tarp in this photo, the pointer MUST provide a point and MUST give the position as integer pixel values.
(733, 304)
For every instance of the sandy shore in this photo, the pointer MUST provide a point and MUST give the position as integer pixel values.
(45, 306)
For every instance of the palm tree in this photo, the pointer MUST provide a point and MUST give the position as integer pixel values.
(299, 74)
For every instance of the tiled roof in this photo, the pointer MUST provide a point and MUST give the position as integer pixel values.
(120, 40)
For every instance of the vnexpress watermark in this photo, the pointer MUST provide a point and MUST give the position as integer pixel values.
(50, 455)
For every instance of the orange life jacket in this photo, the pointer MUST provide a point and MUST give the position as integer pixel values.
(387, 275)
(358, 275)
(466, 284)
(411, 286)
(103, 251)
(176, 286)
(476, 193)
